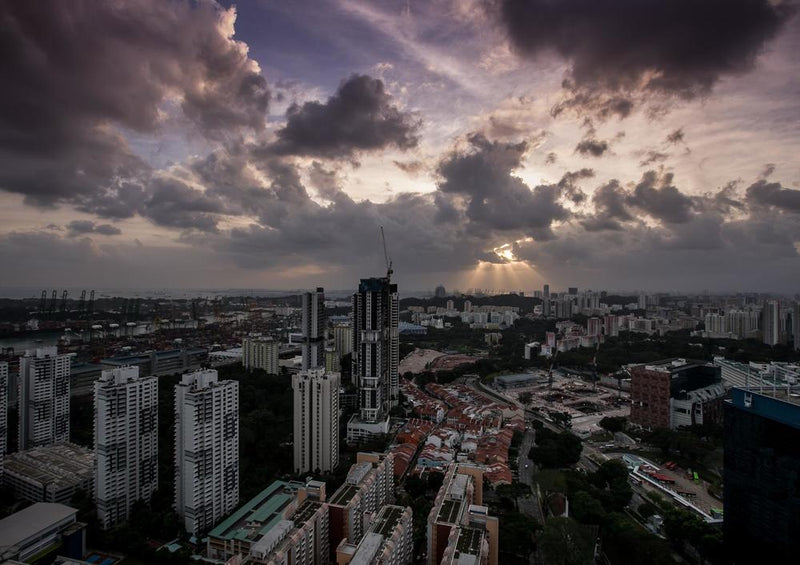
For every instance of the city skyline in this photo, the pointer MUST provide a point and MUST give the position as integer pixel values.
(261, 145)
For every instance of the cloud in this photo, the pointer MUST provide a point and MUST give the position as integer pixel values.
(75, 74)
(677, 48)
(592, 147)
(83, 227)
(652, 156)
(360, 116)
(480, 182)
(773, 195)
(676, 136)
(656, 195)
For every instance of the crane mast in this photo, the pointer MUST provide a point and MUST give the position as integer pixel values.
(389, 270)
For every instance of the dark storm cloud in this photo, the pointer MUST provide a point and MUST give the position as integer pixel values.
(172, 203)
(592, 147)
(83, 227)
(656, 195)
(410, 167)
(492, 197)
(680, 47)
(72, 72)
(360, 116)
(774, 195)
(609, 202)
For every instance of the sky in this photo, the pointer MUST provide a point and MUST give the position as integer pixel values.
(501, 144)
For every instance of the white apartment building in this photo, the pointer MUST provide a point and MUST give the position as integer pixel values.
(316, 420)
(125, 442)
(260, 353)
(206, 449)
(43, 398)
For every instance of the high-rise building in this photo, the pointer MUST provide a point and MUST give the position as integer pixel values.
(314, 329)
(716, 324)
(343, 338)
(762, 463)
(772, 322)
(316, 420)
(260, 353)
(3, 412)
(546, 291)
(43, 398)
(440, 291)
(459, 506)
(376, 352)
(572, 291)
(451, 305)
(467, 306)
(206, 449)
(796, 325)
(642, 303)
(125, 442)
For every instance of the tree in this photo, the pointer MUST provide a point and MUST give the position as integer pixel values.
(614, 424)
(555, 450)
(566, 542)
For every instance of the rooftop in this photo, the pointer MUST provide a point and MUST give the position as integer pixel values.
(59, 465)
(22, 525)
(343, 495)
(469, 541)
(779, 404)
(387, 520)
(258, 516)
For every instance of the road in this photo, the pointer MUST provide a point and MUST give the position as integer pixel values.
(528, 505)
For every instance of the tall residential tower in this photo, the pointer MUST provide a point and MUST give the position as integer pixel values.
(125, 442)
(314, 328)
(316, 420)
(206, 449)
(376, 352)
(43, 398)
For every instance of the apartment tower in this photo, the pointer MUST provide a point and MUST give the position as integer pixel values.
(314, 329)
(125, 442)
(206, 449)
(43, 398)
(376, 351)
(316, 420)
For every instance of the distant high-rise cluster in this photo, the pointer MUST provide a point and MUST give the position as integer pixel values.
(206, 449)
(43, 398)
(125, 442)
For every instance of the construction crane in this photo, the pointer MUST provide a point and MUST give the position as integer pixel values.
(63, 301)
(53, 299)
(82, 303)
(90, 305)
(389, 270)
(43, 302)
